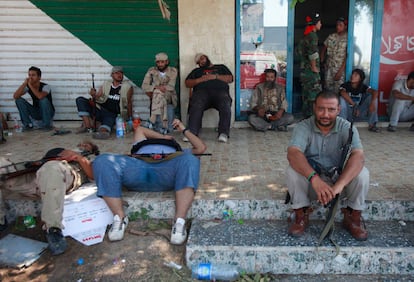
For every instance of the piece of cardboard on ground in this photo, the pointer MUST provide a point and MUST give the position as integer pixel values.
(86, 216)
(18, 252)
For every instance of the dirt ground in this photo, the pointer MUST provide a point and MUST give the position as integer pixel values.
(136, 258)
(140, 256)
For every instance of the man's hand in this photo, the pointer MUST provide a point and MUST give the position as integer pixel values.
(92, 92)
(276, 116)
(261, 112)
(372, 107)
(162, 88)
(323, 190)
(69, 155)
(178, 125)
(338, 76)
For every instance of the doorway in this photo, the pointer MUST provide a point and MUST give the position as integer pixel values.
(329, 11)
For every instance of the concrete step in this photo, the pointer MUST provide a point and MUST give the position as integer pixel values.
(263, 246)
(162, 205)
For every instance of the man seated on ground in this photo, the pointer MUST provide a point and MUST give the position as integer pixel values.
(269, 105)
(106, 104)
(316, 143)
(401, 106)
(63, 171)
(359, 100)
(210, 85)
(159, 85)
(42, 108)
(159, 166)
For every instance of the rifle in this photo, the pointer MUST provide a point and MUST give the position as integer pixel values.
(94, 102)
(334, 174)
(17, 169)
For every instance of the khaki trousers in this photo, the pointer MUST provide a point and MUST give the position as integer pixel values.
(51, 183)
(302, 193)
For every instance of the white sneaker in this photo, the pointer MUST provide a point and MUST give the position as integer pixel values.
(185, 139)
(222, 138)
(178, 232)
(116, 233)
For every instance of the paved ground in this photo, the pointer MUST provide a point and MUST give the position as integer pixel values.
(250, 166)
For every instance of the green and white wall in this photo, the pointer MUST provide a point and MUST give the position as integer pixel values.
(70, 40)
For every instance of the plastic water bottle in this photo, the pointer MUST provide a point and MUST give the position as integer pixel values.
(17, 127)
(120, 127)
(136, 120)
(209, 271)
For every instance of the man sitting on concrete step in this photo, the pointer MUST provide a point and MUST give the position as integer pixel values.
(319, 140)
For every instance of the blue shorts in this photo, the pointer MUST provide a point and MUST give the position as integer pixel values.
(112, 172)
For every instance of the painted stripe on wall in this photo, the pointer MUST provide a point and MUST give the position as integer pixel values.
(30, 37)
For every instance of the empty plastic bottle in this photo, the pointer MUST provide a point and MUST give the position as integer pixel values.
(209, 271)
(136, 120)
(17, 126)
(120, 127)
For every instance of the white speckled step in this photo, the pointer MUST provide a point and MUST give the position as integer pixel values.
(162, 205)
(260, 246)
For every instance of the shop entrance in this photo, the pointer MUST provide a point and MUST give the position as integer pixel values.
(329, 11)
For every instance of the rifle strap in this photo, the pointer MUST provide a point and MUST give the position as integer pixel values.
(330, 227)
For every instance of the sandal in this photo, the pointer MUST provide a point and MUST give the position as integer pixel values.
(101, 135)
(374, 128)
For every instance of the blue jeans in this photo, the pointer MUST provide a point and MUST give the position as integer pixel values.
(44, 112)
(112, 172)
(106, 117)
(364, 114)
(401, 112)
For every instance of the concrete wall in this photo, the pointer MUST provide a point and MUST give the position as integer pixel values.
(206, 26)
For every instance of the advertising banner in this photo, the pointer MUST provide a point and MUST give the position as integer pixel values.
(397, 48)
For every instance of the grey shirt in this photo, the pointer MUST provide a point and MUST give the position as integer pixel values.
(324, 149)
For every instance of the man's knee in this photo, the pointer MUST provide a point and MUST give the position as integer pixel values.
(19, 102)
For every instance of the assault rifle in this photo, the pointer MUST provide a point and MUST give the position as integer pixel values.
(333, 175)
(17, 169)
(94, 102)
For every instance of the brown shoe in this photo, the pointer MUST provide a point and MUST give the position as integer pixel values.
(353, 222)
(297, 228)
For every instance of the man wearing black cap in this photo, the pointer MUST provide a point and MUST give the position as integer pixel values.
(108, 102)
(334, 51)
(309, 51)
(210, 90)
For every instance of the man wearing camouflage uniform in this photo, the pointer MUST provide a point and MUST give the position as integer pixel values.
(269, 105)
(335, 50)
(159, 85)
(309, 76)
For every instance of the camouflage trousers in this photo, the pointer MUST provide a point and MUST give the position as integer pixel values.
(158, 106)
(311, 86)
(330, 83)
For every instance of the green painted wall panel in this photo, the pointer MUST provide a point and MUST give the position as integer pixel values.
(126, 33)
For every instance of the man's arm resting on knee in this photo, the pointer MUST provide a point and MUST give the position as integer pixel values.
(353, 167)
(300, 164)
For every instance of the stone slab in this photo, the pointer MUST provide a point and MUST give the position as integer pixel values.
(264, 246)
